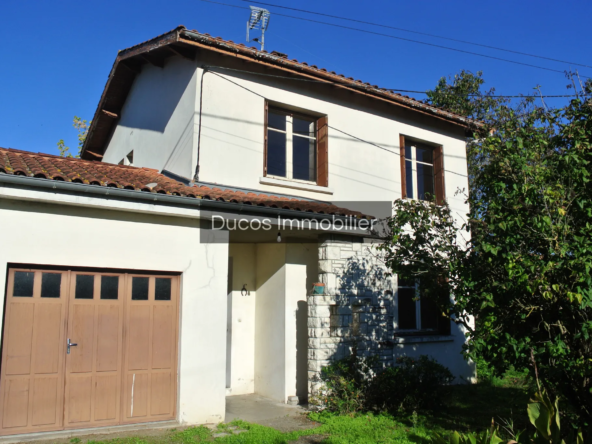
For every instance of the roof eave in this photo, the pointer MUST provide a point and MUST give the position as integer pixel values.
(104, 118)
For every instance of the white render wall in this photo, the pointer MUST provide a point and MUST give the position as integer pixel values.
(232, 131)
(158, 118)
(53, 234)
(233, 139)
(270, 324)
(242, 320)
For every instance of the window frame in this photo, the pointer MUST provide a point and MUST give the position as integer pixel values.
(437, 165)
(418, 330)
(320, 142)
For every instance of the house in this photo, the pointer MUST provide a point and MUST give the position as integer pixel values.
(172, 265)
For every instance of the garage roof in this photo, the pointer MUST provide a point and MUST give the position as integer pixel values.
(47, 166)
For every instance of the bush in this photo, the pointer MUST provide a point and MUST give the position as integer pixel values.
(412, 385)
(351, 385)
(344, 385)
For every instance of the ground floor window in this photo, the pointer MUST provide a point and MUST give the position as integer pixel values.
(415, 313)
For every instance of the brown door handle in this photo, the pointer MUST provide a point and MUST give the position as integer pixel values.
(70, 344)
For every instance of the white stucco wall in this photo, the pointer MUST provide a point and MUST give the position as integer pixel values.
(52, 234)
(270, 347)
(232, 131)
(242, 320)
(157, 120)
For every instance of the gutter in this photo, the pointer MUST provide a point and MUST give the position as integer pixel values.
(100, 191)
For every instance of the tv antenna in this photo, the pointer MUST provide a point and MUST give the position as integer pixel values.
(259, 20)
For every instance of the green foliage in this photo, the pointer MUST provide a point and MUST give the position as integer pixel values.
(543, 415)
(367, 428)
(463, 96)
(486, 437)
(350, 386)
(414, 384)
(82, 127)
(344, 385)
(521, 264)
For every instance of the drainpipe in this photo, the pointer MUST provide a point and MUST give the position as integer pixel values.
(196, 175)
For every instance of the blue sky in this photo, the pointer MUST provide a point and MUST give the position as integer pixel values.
(55, 56)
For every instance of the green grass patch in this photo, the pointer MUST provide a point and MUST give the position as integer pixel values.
(467, 408)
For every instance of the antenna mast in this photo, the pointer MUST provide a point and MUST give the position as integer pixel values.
(259, 20)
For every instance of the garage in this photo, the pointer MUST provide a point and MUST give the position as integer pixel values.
(87, 348)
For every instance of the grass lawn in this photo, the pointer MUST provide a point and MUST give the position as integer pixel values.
(467, 407)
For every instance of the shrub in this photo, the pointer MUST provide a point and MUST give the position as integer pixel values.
(413, 384)
(344, 385)
(351, 385)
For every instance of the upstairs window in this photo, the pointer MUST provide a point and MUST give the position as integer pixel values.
(295, 146)
(422, 171)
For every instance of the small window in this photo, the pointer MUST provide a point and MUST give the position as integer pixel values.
(334, 320)
(139, 288)
(162, 289)
(51, 284)
(85, 286)
(128, 160)
(356, 321)
(23, 284)
(415, 313)
(419, 171)
(109, 287)
(292, 145)
(422, 171)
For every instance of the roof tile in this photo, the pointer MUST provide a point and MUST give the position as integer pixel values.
(50, 167)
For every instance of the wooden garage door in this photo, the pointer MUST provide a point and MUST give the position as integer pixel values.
(85, 349)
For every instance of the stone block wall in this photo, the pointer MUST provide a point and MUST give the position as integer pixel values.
(356, 310)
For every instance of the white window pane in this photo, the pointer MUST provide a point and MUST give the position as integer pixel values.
(304, 126)
(407, 309)
(425, 155)
(409, 178)
(276, 120)
(429, 315)
(304, 158)
(425, 182)
(276, 154)
(408, 154)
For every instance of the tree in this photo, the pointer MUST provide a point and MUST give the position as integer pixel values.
(82, 127)
(521, 264)
(463, 96)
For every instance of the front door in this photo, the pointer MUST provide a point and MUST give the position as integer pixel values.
(87, 349)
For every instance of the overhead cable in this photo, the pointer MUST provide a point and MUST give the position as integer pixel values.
(402, 38)
(420, 33)
(387, 89)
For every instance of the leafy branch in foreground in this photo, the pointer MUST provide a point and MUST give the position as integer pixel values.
(82, 126)
(525, 273)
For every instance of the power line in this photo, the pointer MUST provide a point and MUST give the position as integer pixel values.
(331, 127)
(387, 89)
(420, 33)
(402, 38)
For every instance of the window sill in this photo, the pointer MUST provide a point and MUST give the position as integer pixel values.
(422, 338)
(286, 183)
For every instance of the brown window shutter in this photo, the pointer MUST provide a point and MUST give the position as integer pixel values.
(265, 139)
(323, 151)
(439, 175)
(403, 173)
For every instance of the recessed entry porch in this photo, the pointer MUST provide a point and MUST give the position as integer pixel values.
(267, 336)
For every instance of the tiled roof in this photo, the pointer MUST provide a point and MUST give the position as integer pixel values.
(181, 41)
(47, 166)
